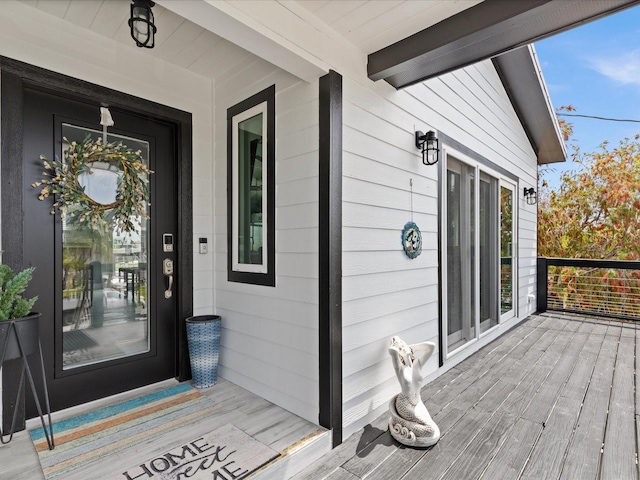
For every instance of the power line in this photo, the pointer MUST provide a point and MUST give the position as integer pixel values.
(597, 118)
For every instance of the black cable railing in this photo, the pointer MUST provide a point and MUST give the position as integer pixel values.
(597, 287)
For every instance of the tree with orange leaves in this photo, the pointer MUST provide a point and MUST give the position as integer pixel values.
(593, 214)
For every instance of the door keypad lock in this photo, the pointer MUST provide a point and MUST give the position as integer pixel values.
(167, 270)
(167, 242)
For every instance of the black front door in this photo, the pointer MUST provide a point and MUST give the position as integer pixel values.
(108, 301)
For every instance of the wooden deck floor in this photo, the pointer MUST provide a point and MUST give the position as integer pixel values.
(298, 441)
(554, 398)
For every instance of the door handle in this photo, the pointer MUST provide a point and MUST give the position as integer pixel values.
(167, 269)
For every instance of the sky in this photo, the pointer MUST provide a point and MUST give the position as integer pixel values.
(595, 68)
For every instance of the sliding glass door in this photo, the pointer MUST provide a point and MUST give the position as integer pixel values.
(478, 247)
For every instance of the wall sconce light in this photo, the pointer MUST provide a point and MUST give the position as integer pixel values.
(530, 196)
(141, 22)
(427, 143)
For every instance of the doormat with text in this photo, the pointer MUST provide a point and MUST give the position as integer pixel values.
(86, 438)
(227, 453)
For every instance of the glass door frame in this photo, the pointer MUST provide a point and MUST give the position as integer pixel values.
(480, 169)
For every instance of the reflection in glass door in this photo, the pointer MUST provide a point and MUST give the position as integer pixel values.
(460, 231)
(104, 274)
(488, 250)
(506, 252)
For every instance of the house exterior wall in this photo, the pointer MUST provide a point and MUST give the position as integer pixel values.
(384, 292)
(270, 334)
(33, 37)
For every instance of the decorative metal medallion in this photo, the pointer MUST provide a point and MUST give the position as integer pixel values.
(411, 240)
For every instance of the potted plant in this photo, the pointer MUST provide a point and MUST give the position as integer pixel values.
(20, 337)
(16, 317)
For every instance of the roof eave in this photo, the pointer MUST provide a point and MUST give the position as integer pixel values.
(522, 78)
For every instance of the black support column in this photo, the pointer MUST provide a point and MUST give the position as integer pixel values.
(330, 254)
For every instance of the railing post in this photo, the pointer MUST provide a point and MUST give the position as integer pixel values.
(541, 297)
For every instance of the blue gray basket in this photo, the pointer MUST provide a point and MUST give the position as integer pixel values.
(203, 337)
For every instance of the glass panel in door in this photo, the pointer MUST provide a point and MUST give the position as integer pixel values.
(460, 231)
(506, 251)
(488, 250)
(104, 274)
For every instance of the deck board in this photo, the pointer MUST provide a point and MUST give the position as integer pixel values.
(547, 395)
(556, 397)
(583, 455)
(342, 474)
(619, 455)
(398, 464)
(485, 393)
(375, 453)
(539, 403)
(472, 460)
(525, 391)
(565, 403)
(484, 373)
(354, 445)
(514, 452)
(267, 423)
(437, 460)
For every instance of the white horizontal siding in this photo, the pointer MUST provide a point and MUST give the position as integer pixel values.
(269, 342)
(384, 292)
(364, 263)
(372, 285)
(379, 301)
(528, 252)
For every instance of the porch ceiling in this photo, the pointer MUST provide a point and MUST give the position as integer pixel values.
(179, 42)
(373, 25)
(400, 41)
(406, 41)
(300, 36)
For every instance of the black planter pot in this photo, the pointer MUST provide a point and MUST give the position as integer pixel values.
(27, 329)
(20, 338)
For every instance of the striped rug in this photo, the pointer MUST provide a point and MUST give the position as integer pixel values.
(86, 438)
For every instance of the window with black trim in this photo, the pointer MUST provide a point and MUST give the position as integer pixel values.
(251, 190)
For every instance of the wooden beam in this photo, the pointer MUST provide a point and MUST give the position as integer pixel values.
(260, 33)
(481, 32)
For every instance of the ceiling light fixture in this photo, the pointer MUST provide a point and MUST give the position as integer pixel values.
(143, 30)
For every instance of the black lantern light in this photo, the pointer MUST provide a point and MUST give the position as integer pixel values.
(428, 145)
(141, 22)
(530, 196)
